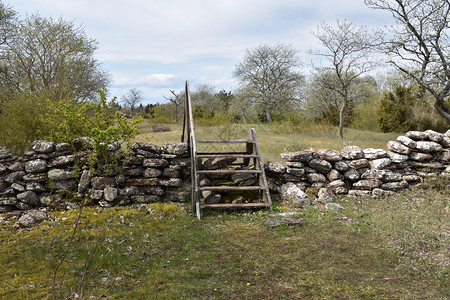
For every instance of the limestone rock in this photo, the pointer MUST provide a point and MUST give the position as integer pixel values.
(447, 133)
(411, 178)
(420, 156)
(217, 163)
(175, 148)
(5, 153)
(18, 187)
(152, 172)
(325, 196)
(35, 187)
(291, 192)
(396, 157)
(36, 166)
(85, 181)
(316, 178)
(329, 155)
(42, 147)
(444, 156)
(29, 198)
(63, 147)
(14, 177)
(416, 135)
(394, 186)
(333, 206)
(359, 193)
(170, 182)
(352, 175)
(14, 167)
(410, 143)
(211, 198)
(336, 184)
(275, 167)
(134, 171)
(151, 190)
(367, 184)
(295, 164)
(62, 185)
(2, 168)
(276, 222)
(155, 162)
(341, 166)
(445, 142)
(352, 152)
(373, 174)
(31, 218)
(141, 181)
(155, 148)
(300, 156)
(61, 161)
(60, 174)
(320, 165)
(8, 201)
(380, 163)
(424, 146)
(241, 177)
(380, 193)
(334, 175)
(296, 172)
(129, 191)
(99, 183)
(358, 163)
(398, 147)
(371, 153)
(390, 176)
(170, 172)
(434, 136)
(110, 193)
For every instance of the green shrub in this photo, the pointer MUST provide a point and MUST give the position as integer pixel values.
(101, 121)
(394, 111)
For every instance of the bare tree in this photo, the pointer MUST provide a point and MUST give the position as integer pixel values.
(270, 75)
(419, 46)
(178, 101)
(7, 19)
(348, 56)
(132, 99)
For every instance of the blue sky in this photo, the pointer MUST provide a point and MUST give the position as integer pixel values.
(156, 45)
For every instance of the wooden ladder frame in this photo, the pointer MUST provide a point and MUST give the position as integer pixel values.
(251, 153)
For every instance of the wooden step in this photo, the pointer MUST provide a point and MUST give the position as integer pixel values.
(227, 156)
(222, 153)
(231, 188)
(235, 205)
(226, 141)
(219, 171)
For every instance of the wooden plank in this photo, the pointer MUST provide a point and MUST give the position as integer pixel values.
(231, 188)
(235, 205)
(259, 165)
(225, 141)
(219, 171)
(220, 153)
(227, 156)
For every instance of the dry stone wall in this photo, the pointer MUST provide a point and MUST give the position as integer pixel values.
(55, 174)
(356, 171)
(50, 174)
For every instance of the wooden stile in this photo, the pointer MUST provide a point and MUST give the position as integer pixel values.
(251, 164)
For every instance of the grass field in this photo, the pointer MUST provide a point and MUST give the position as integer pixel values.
(275, 138)
(392, 248)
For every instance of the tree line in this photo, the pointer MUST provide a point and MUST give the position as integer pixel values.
(342, 89)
